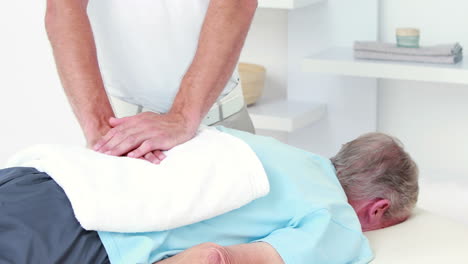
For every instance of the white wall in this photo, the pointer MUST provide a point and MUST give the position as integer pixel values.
(351, 102)
(33, 107)
(430, 118)
(266, 44)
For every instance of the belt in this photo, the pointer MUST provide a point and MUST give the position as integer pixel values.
(227, 106)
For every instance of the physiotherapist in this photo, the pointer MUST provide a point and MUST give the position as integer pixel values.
(175, 58)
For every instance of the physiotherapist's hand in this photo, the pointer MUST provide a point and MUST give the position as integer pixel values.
(153, 156)
(145, 135)
(93, 136)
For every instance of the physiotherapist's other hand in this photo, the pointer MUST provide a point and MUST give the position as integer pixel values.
(153, 156)
(145, 135)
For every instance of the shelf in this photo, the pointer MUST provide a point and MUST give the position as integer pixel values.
(340, 60)
(286, 4)
(284, 115)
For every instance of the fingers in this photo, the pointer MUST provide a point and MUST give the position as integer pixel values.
(142, 150)
(127, 130)
(117, 142)
(124, 146)
(136, 136)
(104, 140)
(118, 124)
(152, 158)
(146, 147)
(159, 154)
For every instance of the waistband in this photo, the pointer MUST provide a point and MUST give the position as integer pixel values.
(223, 108)
(227, 106)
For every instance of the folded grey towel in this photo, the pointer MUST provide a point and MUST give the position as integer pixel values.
(438, 50)
(409, 58)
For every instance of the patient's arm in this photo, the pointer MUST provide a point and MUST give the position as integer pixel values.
(209, 253)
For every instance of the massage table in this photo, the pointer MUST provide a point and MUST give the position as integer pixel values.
(424, 238)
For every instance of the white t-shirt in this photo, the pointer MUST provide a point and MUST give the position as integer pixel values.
(145, 47)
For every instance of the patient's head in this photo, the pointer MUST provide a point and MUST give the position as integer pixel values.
(380, 179)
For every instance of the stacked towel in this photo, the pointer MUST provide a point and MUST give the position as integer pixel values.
(445, 54)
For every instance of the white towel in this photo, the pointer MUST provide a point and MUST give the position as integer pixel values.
(211, 174)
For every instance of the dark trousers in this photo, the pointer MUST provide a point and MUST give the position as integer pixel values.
(37, 224)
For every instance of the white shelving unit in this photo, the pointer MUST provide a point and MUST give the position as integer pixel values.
(310, 112)
(286, 116)
(340, 60)
(283, 115)
(286, 4)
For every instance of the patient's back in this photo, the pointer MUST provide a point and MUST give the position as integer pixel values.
(305, 216)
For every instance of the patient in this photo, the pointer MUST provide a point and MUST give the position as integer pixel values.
(314, 213)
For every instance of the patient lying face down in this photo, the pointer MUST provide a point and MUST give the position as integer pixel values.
(314, 213)
(381, 184)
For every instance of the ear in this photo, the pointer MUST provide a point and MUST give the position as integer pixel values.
(375, 213)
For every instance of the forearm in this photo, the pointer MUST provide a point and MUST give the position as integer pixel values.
(72, 41)
(221, 40)
(254, 253)
(210, 253)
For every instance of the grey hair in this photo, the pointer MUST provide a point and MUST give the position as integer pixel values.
(375, 166)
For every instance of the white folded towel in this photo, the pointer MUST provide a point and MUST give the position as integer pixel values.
(211, 174)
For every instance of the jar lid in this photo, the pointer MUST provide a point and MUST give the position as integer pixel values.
(407, 32)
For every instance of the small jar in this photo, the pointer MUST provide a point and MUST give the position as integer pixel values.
(407, 37)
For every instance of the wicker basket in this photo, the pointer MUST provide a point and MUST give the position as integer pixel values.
(253, 81)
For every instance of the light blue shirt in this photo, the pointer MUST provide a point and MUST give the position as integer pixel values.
(305, 217)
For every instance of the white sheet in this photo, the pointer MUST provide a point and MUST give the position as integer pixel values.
(210, 175)
(425, 238)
